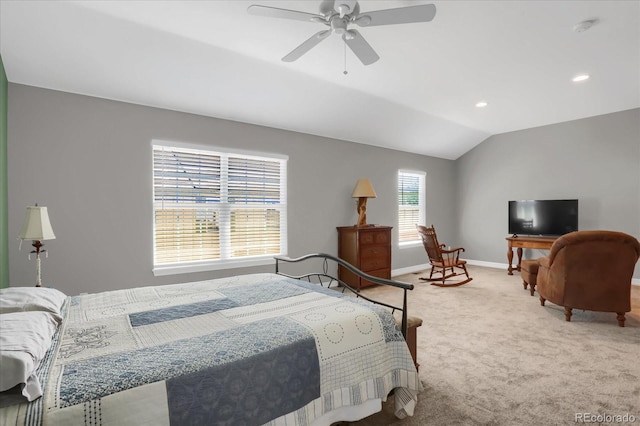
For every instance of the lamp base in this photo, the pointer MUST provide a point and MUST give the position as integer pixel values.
(38, 245)
(362, 212)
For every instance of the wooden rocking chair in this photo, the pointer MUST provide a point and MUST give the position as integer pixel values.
(442, 259)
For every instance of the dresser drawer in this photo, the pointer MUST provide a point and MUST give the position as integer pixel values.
(368, 251)
(373, 263)
(380, 273)
(374, 237)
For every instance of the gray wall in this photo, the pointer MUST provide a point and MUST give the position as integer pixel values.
(596, 160)
(4, 186)
(89, 161)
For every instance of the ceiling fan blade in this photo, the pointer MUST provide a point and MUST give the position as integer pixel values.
(401, 15)
(360, 47)
(275, 12)
(307, 45)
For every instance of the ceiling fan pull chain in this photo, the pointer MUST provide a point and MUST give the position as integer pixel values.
(345, 72)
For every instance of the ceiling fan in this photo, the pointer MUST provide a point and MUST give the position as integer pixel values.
(338, 15)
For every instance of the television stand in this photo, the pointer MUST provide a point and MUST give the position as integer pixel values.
(520, 242)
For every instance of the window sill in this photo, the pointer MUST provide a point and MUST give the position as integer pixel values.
(412, 244)
(191, 267)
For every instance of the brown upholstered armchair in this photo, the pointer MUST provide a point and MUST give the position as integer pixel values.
(590, 270)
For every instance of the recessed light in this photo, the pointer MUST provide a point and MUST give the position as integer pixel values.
(584, 25)
(481, 104)
(581, 77)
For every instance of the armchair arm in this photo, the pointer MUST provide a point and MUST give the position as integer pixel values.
(545, 261)
(558, 245)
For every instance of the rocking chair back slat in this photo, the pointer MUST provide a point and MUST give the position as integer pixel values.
(430, 242)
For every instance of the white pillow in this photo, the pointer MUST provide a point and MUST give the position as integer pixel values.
(24, 341)
(18, 299)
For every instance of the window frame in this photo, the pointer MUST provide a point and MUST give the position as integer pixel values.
(181, 267)
(421, 175)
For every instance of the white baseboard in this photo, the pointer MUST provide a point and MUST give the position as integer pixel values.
(488, 264)
(426, 266)
(410, 269)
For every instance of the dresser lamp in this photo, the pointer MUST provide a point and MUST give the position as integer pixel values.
(362, 191)
(37, 228)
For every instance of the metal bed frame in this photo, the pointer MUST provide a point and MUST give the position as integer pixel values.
(331, 279)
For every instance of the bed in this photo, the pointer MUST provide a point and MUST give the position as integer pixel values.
(275, 349)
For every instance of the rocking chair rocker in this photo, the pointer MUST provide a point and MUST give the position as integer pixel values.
(442, 259)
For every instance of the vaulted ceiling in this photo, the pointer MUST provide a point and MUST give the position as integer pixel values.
(213, 58)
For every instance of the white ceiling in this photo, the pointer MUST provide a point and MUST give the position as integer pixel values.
(213, 58)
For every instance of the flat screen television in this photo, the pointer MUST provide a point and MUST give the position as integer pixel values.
(543, 217)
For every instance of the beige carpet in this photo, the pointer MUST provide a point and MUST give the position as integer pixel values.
(489, 354)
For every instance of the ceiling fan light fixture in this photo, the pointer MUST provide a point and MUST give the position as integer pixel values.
(580, 77)
(339, 25)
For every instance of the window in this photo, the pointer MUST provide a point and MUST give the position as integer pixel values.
(411, 206)
(216, 208)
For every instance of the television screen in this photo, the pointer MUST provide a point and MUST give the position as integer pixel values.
(543, 217)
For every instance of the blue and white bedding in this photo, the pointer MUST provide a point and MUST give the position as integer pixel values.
(245, 350)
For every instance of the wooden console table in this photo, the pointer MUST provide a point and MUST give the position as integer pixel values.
(521, 242)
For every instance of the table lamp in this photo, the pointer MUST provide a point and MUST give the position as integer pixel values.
(37, 228)
(362, 191)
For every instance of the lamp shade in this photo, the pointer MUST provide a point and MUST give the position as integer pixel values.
(363, 189)
(36, 225)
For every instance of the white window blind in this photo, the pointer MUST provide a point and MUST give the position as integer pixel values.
(216, 208)
(411, 205)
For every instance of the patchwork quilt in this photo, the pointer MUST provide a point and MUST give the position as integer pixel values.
(245, 350)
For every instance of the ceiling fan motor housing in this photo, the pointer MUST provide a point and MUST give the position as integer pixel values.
(343, 9)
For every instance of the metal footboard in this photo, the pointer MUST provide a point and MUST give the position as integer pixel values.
(324, 277)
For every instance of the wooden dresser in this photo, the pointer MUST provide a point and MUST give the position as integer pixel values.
(368, 248)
